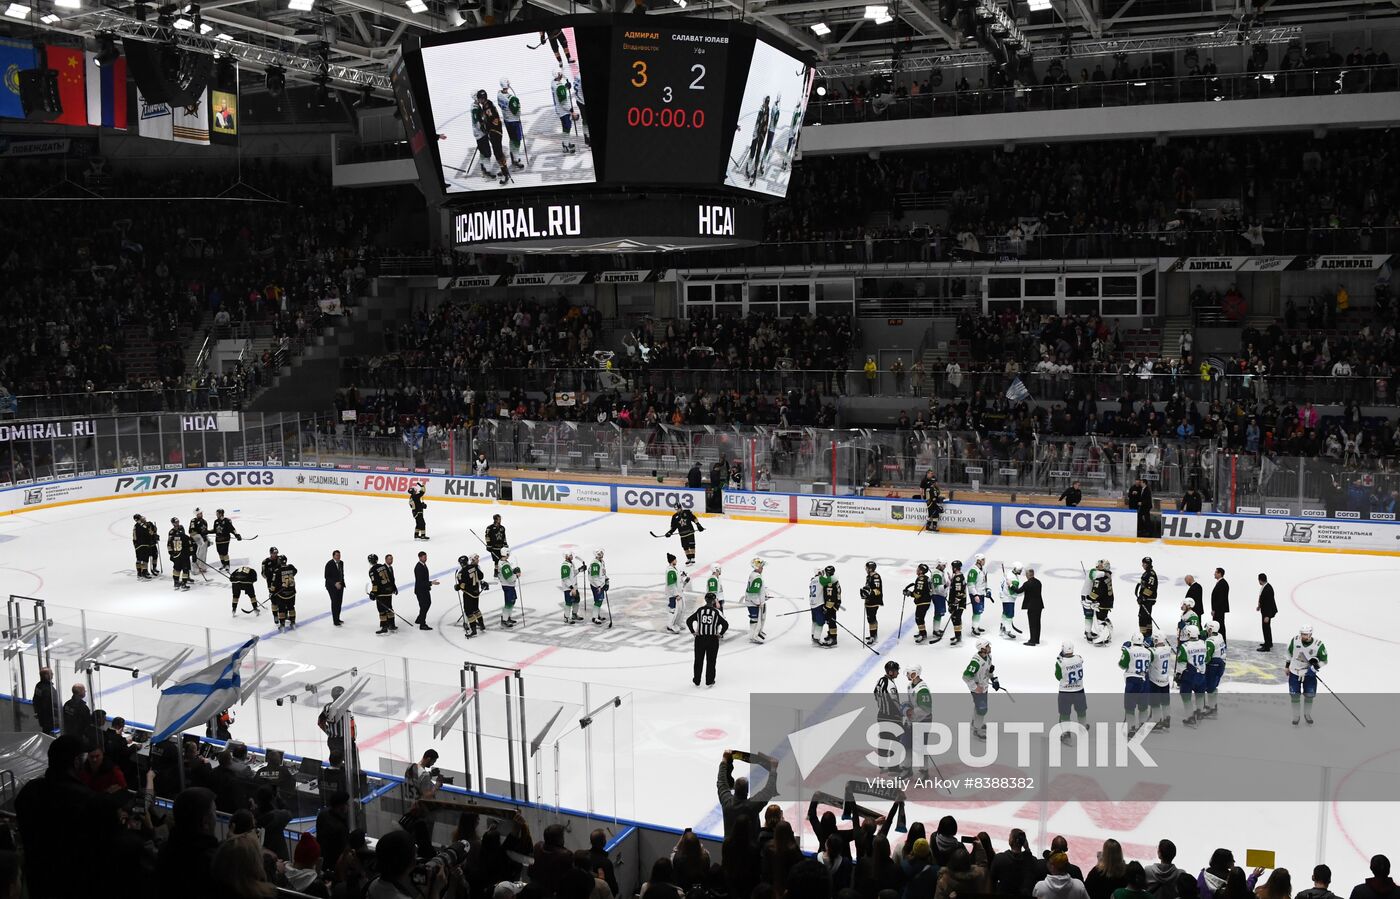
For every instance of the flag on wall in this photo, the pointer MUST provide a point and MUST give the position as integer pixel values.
(153, 119)
(72, 92)
(15, 57)
(106, 93)
(190, 124)
(1017, 392)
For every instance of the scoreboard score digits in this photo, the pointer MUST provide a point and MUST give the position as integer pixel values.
(667, 99)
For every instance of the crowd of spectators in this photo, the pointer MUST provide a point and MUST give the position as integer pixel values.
(755, 342)
(135, 263)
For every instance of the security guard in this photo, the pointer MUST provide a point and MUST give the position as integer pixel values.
(708, 625)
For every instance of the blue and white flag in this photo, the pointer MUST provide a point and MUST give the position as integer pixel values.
(201, 696)
(1017, 392)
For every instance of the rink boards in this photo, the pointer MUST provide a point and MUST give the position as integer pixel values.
(1366, 536)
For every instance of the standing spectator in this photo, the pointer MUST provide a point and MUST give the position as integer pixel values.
(1220, 600)
(479, 465)
(1164, 878)
(56, 814)
(236, 871)
(1321, 885)
(1059, 883)
(1136, 887)
(1278, 886)
(965, 873)
(335, 585)
(422, 780)
(693, 478)
(871, 373)
(599, 861)
(552, 860)
(1032, 602)
(897, 367)
(1144, 527)
(333, 827)
(77, 717)
(1196, 594)
(188, 855)
(46, 706)
(1110, 874)
(1378, 885)
(734, 795)
(1267, 608)
(1134, 501)
(1072, 495)
(1013, 871)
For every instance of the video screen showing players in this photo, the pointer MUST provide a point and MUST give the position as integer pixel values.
(770, 119)
(510, 112)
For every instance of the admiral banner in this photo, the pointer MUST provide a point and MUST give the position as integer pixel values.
(547, 279)
(468, 282)
(1355, 263)
(630, 277)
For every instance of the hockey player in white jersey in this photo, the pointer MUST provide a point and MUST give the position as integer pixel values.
(1215, 667)
(756, 600)
(938, 592)
(598, 584)
(714, 585)
(509, 573)
(1069, 672)
(1188, 618)
(1306, 656)
(1159, 683)
(676, 582)
(562, 95)
(1192, 657)
(582, 107)
(979, 591)
(1136, 663)
(568, 582)
(509, 105)
(1010, 583)
(815, 602)
(980, 678)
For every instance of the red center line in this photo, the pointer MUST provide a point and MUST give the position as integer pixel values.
(420, 716)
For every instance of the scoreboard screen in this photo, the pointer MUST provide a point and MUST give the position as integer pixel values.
(602, 103)
(667, 98)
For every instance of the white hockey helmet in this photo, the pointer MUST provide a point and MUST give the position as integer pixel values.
(1136, 640)
(939, 564)
(914, 671)
(1159, 640)
(1192, 632)
(598, 555)
(981, 559)
(715, 570)
(1104, 566)
(1187, 604)
(476, 559)
(558, 74)
(1305, 632)
(1212, 627)
(505, 84)
(818, 572)
(568, 555)
(1067, 648)
(984, 645)
(505, 552)
(1016, 567)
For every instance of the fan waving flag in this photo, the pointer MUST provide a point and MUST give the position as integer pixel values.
(200, 696)
(1017, 392)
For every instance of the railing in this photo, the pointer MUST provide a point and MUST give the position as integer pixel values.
(1095, 94)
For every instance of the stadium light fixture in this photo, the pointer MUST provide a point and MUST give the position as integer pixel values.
(223, 36)
(49, 18)
(876, 12)
(302, 5)
(205, 28)
(68, 4)
(821, 29)
(1038, 5)
(417, 6)
(183, 24)
(107, 52)
(17, 11)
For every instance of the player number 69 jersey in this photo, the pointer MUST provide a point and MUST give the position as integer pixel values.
(1069, 671)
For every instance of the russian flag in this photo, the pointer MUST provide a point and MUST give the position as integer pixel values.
(106, 92)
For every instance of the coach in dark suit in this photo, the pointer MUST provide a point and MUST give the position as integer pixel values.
(1196, 595)
(422, 588)
(335, 585)
(1268, 608)
(1220, 600)
(1032, 602)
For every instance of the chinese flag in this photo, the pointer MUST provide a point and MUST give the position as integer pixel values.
(72, 83)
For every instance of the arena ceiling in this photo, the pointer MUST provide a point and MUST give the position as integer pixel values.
(355, 40)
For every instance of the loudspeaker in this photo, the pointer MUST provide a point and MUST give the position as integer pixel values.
(38, 94)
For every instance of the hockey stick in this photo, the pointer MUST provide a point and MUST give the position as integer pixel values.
(608, 600)
(529, 46)
(658, 536)
(1001, 689)
(899, 629)
(1338, 698)
(854, 636)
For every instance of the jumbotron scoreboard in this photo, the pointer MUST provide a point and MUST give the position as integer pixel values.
(604, 133)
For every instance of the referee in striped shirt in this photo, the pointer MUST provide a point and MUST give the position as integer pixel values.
(708, 625)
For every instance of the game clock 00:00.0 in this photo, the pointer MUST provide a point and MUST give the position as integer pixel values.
(667, 99)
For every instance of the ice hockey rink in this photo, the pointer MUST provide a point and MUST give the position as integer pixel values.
(654, 759)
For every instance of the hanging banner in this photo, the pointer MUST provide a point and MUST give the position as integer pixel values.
(190, 124)
(1267, 263)
(630, 277)
(223, 107)
(1361, 263)
(1206, 264)
(548, 279)
(153, 119)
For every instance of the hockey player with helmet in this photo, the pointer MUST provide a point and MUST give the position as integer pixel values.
(676, 582)
(1192, 657)
(957, 601)
(199, 541)
(496, 543)
(509, 105)
(754, 160)
(469, 583)
(242, 581)
(561, 92)
(933, 502)
(487, 128)
(756, 601)
(178, 548)
(1215, 668)
(714, 585)
(223, 531)
(1188, 618)
(774, 115)
(1146, 596)
(980, 678)
(1010, 586)
(144, 540)
(598, 583)
(1159, 683)
(918, 590)
(1101, 601)
(1069, 672)
(582, 107)
(684, 522)
(918, 710)
(815, 604)
(1136, 663)
(873, 593)
(979, 591)
(831, 603)
(382, 588)
(1306, 657)
(284, 601)
(418, 506)
(269, 570)
(568, 583)
(509, 574)
(938, 594)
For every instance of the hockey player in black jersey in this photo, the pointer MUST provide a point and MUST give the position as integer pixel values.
(199, 540)
(919, 592)
(684, 522)
(1146, 596)
(957, 600)
(269, 570)
(177, 547)
(144, 539)
(470, 583)
(419, 506)
(242, 581)
(496, 543)
(223, 530)
(831, 603)
(382, 588)
(874, 595)
(284, 601)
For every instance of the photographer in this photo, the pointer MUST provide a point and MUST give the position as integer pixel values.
(402, 877)
(422, 780)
